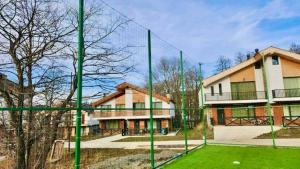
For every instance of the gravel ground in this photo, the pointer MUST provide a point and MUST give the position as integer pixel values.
(138, 161)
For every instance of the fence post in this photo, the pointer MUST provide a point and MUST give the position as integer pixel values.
(150, 100)
(79, 84)
(183, 108)
(269, 108)
(202, 116)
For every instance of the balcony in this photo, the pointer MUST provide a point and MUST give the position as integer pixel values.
(284, 93)
(231, 96)
(130, 113)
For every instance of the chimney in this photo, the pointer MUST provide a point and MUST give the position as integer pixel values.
(168, 96)
(248, 56)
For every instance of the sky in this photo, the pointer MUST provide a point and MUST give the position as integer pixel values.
(204, 30)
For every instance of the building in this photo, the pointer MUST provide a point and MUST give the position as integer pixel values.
(135, 120)
(89, 125)
(238, 96)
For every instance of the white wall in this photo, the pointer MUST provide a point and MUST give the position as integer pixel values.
(225, 86)
(274, 73)
(259, 79)
(128, 98)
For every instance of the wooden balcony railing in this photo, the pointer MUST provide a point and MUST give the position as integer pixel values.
(235, 96)
(248, 121)
(284, 93)
(291, 121)
(117, 113)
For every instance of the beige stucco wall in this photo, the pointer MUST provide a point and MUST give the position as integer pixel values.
(245, 75)
(290, 68)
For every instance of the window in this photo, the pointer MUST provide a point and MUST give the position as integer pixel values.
(292, 110)
(243, 90)
(291, 82)
(292, 86)
(257, 65)
(275, 60)
(120, 106)
(248, 112)
(106, 107)
(139, 105)
(112, 124)
(157, 105)
(212, 91)
(220, 89)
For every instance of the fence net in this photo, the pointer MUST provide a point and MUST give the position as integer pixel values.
(122, 62)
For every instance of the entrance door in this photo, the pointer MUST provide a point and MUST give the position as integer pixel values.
(158, 124)
(136, 126)
(125, 124)
(221, 118)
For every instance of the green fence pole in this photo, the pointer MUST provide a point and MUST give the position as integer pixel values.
(202, 104)
(150, 100)
(183, 108)
(79, 84)
(269, 110)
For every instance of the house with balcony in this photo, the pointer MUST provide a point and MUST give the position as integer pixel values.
(238, 95)
(89, 125)
(128, 110)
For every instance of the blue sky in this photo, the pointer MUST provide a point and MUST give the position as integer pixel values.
(205, 30)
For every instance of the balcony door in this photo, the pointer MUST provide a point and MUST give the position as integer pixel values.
(139, 106)
(243, 91)
(292, 86)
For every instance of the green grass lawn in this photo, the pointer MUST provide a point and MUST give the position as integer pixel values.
(222, 157)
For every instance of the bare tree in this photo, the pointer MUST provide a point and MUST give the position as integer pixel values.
(222, 64)
(38, 49)
(167, 81)
(239, 58)
(295, 48)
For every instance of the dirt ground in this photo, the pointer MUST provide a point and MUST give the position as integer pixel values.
(282, 133)
(113, 158)
(193, 134)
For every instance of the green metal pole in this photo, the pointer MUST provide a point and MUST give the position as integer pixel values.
(202, 104)
(150, 100)
(183, 108)
(79, 84)
(269, 110)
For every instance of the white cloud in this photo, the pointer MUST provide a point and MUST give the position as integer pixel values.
(205, 30)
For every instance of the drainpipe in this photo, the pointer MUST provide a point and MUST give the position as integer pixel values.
(268, 96)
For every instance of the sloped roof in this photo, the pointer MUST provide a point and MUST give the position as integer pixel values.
(121, 90)
(266, 52)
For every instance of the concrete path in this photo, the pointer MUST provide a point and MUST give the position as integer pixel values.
(240, 132)
(108, 142)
